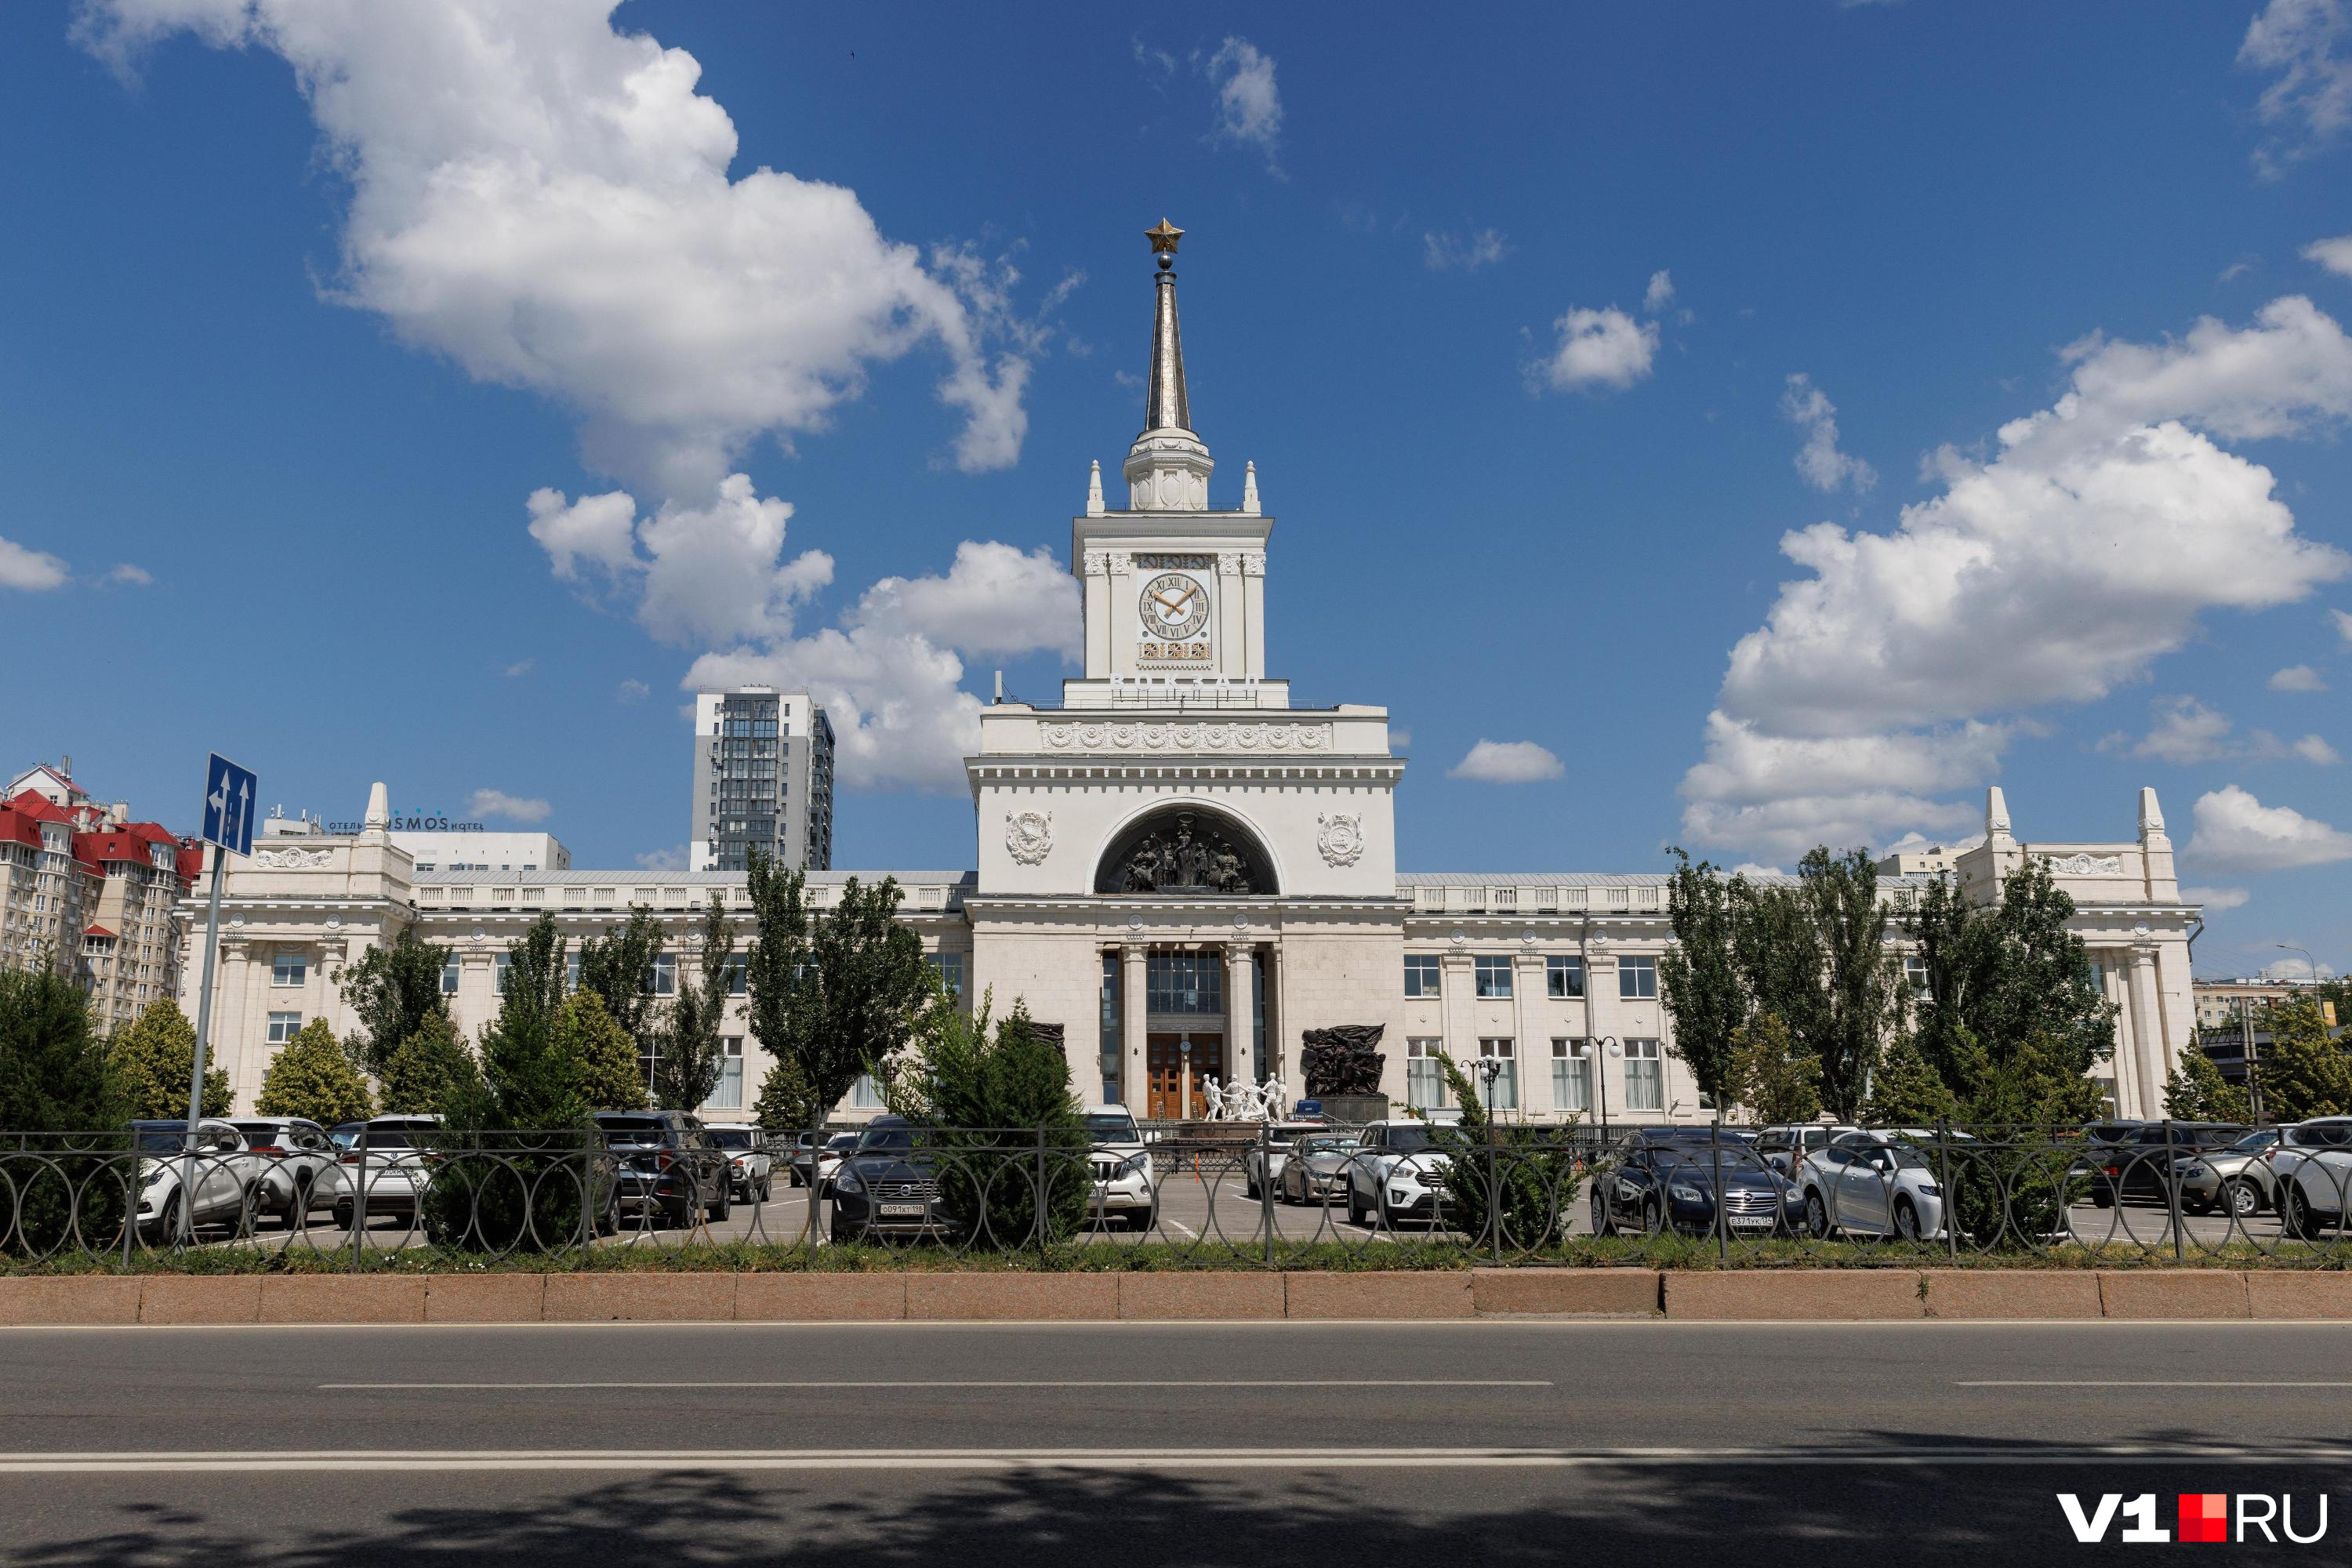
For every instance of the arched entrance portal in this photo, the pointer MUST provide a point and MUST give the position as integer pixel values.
(1202, 1003)
(1186, 851)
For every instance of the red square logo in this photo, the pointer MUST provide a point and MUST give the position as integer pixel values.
(2204, 1516)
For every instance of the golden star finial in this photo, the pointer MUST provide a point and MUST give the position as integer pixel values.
(1164, 237)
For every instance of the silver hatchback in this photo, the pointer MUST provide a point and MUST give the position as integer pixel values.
(2237, 1176)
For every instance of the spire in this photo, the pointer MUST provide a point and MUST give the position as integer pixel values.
(1165, 406)
(379, 809)
(1168, 466)
(1997, 828)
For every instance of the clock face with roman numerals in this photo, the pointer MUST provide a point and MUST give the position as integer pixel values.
(1174, 605)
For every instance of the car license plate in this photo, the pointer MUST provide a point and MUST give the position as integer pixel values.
(1751, 1222)
(902, 1211)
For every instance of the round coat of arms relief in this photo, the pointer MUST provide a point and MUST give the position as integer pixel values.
(1029, 835)
(1342, 838)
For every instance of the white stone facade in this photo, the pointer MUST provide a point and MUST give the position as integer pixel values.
(1187, 874)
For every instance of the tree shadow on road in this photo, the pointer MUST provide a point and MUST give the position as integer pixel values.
(1756, 1513)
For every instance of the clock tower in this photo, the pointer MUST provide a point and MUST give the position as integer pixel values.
(1175, 594)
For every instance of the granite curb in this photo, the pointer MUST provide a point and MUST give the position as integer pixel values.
(1206, 1296)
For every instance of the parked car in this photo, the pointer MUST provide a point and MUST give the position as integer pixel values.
(1262, 1165)
(390, 1162)
(1314, 1171)
(1121, 1168)
(221, 1175)
(751, 1169)
(343, 1134)
(670, 1161)
(295, 1153)
(2237, 1176)
(814, 1159)
(1875, 1183)
(2139, 1163)
(2312, 1165)
(888, 1185)
(1396, 1172)
(1784, 1148)
(1667, 1177)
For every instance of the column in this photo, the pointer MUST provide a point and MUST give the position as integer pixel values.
(1240, 961)
(2123, 1064)
(1600, 1014)
(2148, 1028)
(1526, 984)
(1132, 976)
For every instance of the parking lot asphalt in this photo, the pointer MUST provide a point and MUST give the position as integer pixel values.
(1470, 1443)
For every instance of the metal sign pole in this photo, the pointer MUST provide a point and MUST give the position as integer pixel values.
(204, 1034)
(229, 794)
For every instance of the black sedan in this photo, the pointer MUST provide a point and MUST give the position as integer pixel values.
(888, 1185)
(670, 1161)
(1668, 1178)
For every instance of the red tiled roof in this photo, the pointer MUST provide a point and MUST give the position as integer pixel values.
(37, 806)
(99, 931)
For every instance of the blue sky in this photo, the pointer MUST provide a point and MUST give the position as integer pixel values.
(314, 318)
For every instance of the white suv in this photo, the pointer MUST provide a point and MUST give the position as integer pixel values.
(1396, 1174)
(2313, 1162)
(1121, 1168)
(751, 1169)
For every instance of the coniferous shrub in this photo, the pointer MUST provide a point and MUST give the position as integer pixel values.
(313, 1077)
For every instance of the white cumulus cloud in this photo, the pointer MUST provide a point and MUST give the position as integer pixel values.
(1823, 466)
(993, 600)
(1599, 349)
(34, 571)
(546, 200)
(132, 576)
(1660, 293)
(2216, 900)
(2187, 731)
(509, 808)
(1507, 762)
(2236, 832)
(1249, 105)
(2298, 677)
(2335, 254)
(1463, 252)
(709, 574)
(670, 859)
(2309, 100)
(890, 677)
(2085, 547)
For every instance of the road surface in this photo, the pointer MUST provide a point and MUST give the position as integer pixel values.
(1143, 1444)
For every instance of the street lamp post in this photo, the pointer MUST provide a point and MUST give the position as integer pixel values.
(1184, 1078)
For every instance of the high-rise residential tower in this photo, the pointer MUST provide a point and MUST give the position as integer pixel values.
(763, 780)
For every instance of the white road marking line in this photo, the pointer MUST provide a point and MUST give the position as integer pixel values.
(1129, 1382)
(1008, 1460)
(2136, 1383)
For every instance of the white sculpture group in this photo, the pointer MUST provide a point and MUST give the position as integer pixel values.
(1243, 1100)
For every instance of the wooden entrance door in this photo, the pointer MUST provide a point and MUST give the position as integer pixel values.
(1165, 1064)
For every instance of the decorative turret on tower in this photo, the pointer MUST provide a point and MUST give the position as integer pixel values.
(1168, 466)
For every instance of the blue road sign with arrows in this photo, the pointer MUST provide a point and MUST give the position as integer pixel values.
(229, 793)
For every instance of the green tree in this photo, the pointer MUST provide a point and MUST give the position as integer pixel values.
(619, 967)
(1769, 1073)
(995, 1102)
(518, 1148)
(152, 1061)
(2195, 1091)
(1779, 950)
(841, 993)
(54, 1078)
(2013, 1018)
(393, 990)
(432, 1073)
(54, 1074)
(1863, 996)
(601, 1052)
(692, 1056)
(1504, 1180)
(312, 1077)
(775, 969)
(1906, 1091)
(2304, 1073)
(1705, 994)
